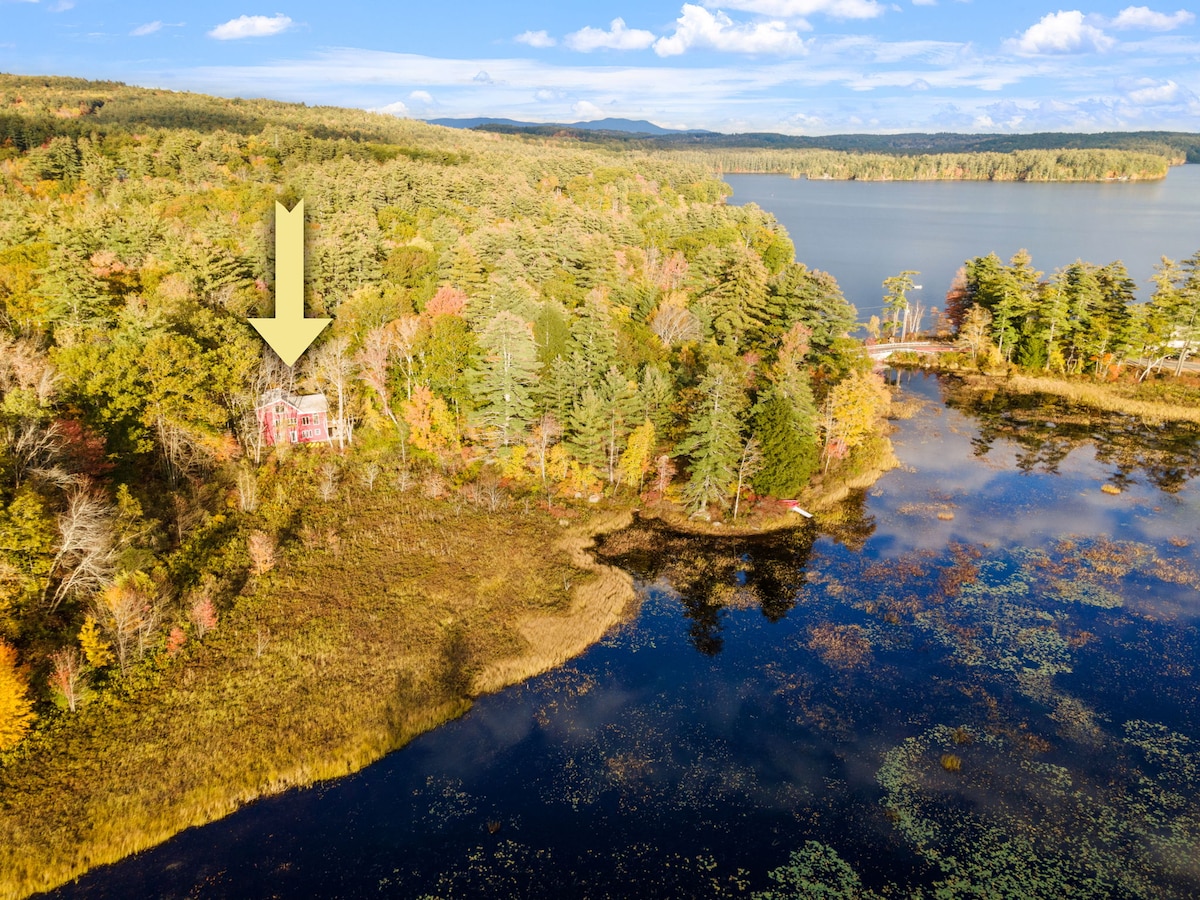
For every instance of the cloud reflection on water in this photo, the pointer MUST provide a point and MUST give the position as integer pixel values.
(940, 463)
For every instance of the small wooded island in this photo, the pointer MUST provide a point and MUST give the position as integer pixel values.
(221, 577)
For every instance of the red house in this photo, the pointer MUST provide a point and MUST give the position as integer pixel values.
(293, 418)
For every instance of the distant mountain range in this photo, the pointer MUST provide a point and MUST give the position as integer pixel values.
(626, 126)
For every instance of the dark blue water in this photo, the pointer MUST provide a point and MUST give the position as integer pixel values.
(863, 232)
(979, 677)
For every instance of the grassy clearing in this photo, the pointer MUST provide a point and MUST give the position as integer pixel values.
(597, 605)
(347, 650)
(1142, 401)
(1161, 399)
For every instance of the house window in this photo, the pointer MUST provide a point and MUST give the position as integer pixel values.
(304, 420)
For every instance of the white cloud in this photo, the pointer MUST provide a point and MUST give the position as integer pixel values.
(586, 111)
(392, 109)
(699, 28)
(251, 26)
(1146, 19)
(148, 28)
(861, 48)
(1156, 94)
(618, 37)
(798, 9)
(1151, 92)
(1062, 32)
(421, 96)
(482, 77)
(924, 2)
(535, 39)
(1050, 92)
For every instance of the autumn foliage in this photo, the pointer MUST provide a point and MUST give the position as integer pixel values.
(16, 709)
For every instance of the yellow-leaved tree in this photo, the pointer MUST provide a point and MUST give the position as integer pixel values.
(96, 649)
(16, 709)
(635, 461)
(848, 417)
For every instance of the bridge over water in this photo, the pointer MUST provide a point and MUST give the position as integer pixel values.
(883, 351)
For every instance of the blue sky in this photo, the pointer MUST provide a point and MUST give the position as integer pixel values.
(795, 66)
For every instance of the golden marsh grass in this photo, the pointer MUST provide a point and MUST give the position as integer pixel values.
(339, 655)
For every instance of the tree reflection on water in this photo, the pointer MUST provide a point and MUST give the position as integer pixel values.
(1045, 429)
(713, 573)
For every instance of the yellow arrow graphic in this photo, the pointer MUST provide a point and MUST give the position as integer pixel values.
(289, 333)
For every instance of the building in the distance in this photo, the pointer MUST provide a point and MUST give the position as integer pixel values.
(286, 418)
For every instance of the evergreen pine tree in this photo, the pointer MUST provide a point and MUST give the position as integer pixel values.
(507, 373)
(619, 397)
(786, 430)
(587, 426)
(812, 299)
(592, 345)
(739, 302)
(714, 443)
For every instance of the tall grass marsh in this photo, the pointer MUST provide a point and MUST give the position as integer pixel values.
(380, 619)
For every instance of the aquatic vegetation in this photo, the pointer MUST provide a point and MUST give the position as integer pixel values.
(840, 646)
(936, 510)
(1024, 828)
(951, 762)
(1085, 592)
(815, 871)
(1077, 722)
(448, 802)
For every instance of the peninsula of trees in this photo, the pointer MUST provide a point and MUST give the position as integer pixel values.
(1136, 156)
(1016, 165)
(1082, 319)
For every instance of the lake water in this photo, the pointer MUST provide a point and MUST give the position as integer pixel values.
(862, 232)
(983, 676)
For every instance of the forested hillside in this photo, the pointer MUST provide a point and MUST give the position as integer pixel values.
(510, 320)
(908, 157)
(1016, 165)
(1175, 145)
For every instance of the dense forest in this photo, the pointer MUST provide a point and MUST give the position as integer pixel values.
(1017, 165)
(509, 319)
(518, 323)
(1037, 157)
(1175, 145)
(1083, 319)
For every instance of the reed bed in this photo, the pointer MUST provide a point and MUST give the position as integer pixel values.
(1117, 398)
(345, 651)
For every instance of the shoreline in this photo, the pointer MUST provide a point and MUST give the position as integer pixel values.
(1101, 397)
(157, 792)
(597, 605)
(204, 708)
(822, 499)
(721, 173)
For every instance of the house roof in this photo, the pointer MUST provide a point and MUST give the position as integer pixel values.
(311, 403)
(303, 403)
